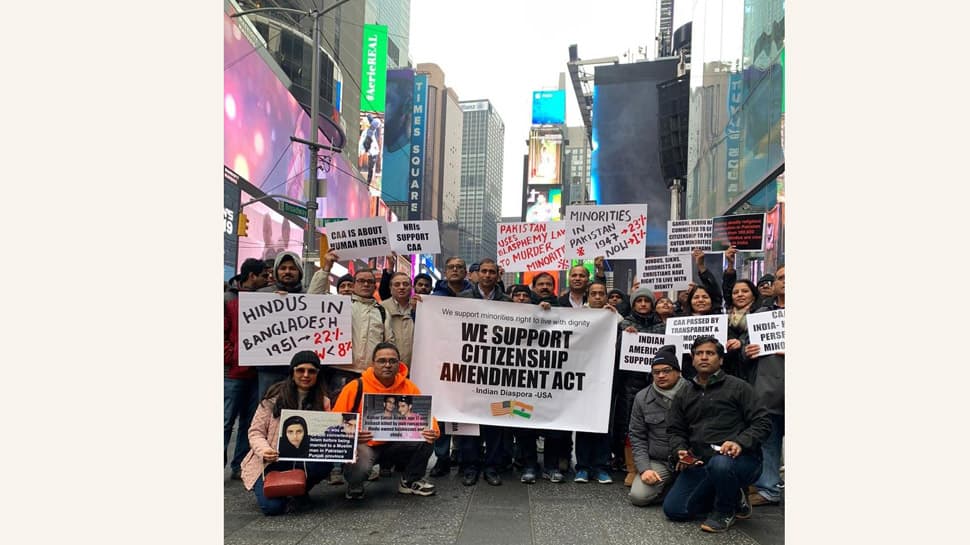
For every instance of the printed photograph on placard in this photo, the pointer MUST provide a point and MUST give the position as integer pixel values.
(317, 436)
(397, 417)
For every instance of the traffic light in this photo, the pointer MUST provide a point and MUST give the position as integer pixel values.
(243, 227)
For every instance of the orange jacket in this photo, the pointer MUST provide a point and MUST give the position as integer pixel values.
(402, 385)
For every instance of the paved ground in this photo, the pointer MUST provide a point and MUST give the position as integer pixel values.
(513, 514)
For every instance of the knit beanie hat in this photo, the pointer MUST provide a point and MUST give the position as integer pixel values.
(520, 288)
(667, 355)
(345, 278)
(642, 291)
(306, 356)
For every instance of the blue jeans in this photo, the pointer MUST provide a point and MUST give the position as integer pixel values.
(239, 400)
(592, 451)
(771, 451)
(716, 484)
(315, 472)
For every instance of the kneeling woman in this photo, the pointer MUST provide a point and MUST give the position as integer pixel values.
(300, 391)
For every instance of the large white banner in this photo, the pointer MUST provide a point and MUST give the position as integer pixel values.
(273, 327)
(359, 239)
(691, 327)
(512, 364)
(616, 231)
(767, 330)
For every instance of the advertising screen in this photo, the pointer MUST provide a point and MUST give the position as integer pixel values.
(543, 204)
(369, 148)
(549, 107)
(260, 115)
(373, 70)
(545, 158)
(397, 135)
(230, 216)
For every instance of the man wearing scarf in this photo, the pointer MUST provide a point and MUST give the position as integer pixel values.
(648, 428)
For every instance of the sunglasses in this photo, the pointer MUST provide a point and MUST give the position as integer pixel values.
(306, 370)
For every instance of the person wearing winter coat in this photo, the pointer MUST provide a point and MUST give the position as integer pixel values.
(648, 428)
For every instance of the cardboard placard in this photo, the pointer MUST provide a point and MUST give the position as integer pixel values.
(414, 237)
(525, 246)
(672, 272)
(692, 327)
(685, 235)
(637, 349)
(396, 417)
(360, 238)
(273, 327)
(767, 330)
(745, 232)
(616, 231)
(317, 436)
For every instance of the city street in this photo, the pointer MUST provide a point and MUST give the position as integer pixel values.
(513, 514)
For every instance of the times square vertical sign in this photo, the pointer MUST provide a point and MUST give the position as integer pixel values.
(416, 167)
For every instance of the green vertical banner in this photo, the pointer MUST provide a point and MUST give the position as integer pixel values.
(373, 74)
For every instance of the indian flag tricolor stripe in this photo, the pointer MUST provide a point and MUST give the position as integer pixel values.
(522, 409)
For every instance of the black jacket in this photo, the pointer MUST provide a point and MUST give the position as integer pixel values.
(767, 373)
(724, 410)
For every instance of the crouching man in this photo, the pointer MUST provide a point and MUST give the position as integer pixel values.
(648, 428)
(715, 427)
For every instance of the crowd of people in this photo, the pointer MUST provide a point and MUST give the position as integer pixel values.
(700, 435)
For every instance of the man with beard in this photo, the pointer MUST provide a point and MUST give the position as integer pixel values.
(288, 272)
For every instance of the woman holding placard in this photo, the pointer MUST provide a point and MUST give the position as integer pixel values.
(299, 391)
(744, 299)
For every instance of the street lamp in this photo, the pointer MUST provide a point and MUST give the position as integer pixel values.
(309, 239)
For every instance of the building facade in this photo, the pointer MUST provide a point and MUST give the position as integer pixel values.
(736, 160)
(396, 16)
(482, 152)
(577, 152)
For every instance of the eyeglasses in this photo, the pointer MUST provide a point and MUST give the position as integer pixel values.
(387, 361)
(661, 372)
(365, 281)
(455, 267)
(306, 370)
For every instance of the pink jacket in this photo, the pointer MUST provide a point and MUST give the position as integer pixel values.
(262, 436)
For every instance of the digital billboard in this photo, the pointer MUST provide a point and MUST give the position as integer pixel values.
(543, 204)
(373, 73)
(260, 115)
(545, 158)
(230, 217)
(269, 233)
(397, 135)
(369, 148)
(549, 107)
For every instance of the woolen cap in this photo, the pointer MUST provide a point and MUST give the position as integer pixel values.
(305, 356)
(667, 355)
(766, 278)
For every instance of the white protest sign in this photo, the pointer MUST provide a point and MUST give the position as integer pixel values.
(616, 231)
(273, 327)
(637, 349)
(414, 237)
(359, 239)
(767, 330)
(525, 247)
(317, 436)
(685, 235)
(460, 428)
(672, 272)
(508, 364)
(691, 327)
(397, 417)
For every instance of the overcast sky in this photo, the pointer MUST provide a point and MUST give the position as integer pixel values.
(504, 50)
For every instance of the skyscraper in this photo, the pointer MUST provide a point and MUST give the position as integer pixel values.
(482, 145)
